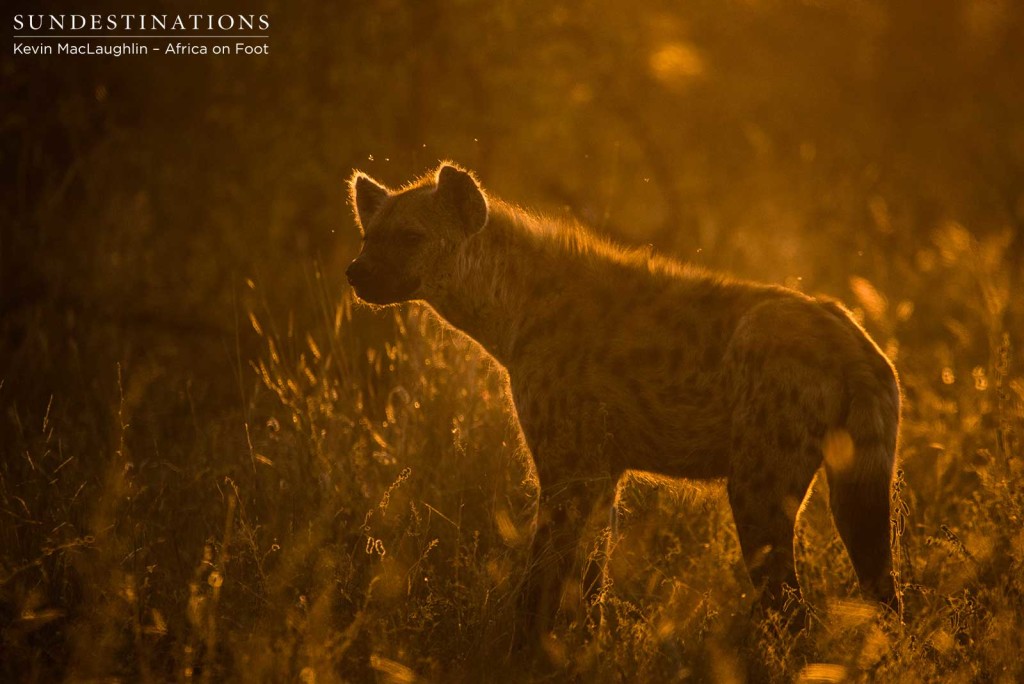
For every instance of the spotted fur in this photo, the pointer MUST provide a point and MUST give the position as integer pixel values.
(622, 360)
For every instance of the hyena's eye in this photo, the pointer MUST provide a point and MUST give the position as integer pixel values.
(410, 236)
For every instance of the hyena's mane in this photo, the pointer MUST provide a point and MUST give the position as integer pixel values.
(565, 235)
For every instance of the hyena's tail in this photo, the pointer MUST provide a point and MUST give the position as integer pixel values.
(859, 463)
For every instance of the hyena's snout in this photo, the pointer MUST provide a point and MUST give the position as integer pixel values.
(359, 273)
(365, 280)
(378, 282)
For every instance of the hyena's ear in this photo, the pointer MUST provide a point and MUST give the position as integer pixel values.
(461, 194)
(366, 196)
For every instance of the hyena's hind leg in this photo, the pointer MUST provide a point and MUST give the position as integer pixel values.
(859, 464)
(860, 507)
(766, 489)
(782, 404)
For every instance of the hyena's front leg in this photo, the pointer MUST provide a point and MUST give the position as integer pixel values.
(557, 554)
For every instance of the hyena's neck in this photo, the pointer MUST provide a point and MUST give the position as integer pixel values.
(500, 273)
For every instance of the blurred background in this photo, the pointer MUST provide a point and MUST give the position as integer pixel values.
(213, 463)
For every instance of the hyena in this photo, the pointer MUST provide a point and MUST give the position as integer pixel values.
(621, 360)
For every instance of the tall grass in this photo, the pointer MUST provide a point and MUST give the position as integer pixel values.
(358, 509)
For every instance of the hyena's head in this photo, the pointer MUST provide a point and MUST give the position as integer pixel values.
(411, 237)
